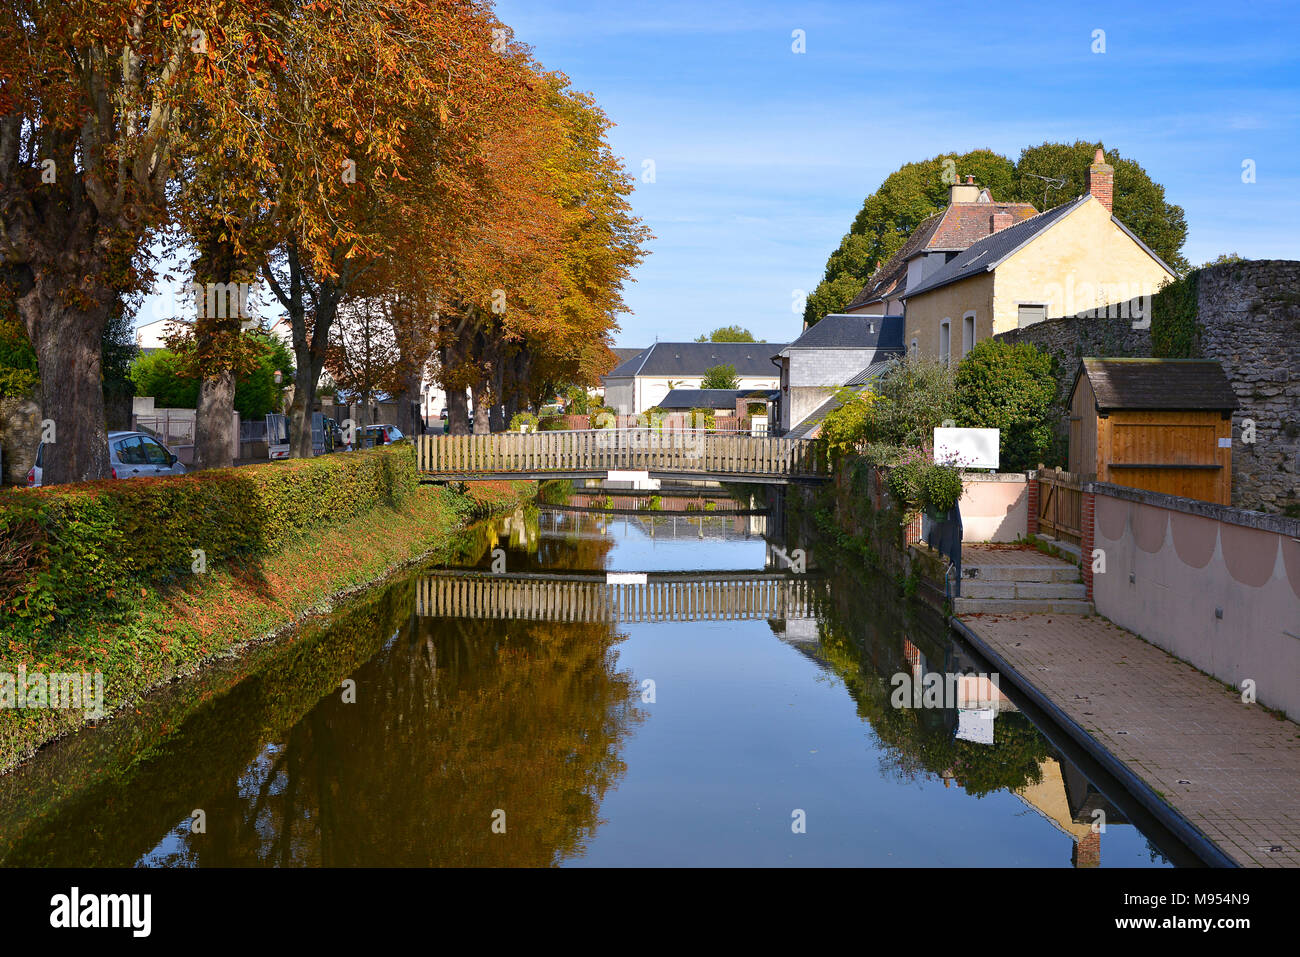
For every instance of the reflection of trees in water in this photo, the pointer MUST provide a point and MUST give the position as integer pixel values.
(863, 636)
(453, 719)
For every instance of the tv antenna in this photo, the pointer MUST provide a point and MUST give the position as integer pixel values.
(1050, 182)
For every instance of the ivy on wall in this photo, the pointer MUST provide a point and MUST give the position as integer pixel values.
(1175, 331)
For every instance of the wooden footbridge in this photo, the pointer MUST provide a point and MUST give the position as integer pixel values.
(620, 596)
(620, 454)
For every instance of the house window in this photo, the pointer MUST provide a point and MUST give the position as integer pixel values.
(945, 341)
(967, 333)
(1029, 313)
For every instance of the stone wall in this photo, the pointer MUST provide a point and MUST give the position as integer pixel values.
(20, 434)
(1070, 339)
(1249, 319)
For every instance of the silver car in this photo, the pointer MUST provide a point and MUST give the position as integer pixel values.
(130, 455)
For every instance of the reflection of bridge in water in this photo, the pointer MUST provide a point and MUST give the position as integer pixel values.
(727, 526)
(621, 596)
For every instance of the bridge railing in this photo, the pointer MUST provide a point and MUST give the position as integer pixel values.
(593, 450)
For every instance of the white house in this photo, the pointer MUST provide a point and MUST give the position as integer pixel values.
(840, 350)
(643, 381)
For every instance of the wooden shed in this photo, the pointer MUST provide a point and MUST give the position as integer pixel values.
(1164, 425)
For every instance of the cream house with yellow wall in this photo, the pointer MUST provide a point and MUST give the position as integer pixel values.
(1075, 259)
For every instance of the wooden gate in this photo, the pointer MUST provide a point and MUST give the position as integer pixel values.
(1060, 505)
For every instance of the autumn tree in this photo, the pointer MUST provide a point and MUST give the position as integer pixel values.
(561, 303)
(91, 96)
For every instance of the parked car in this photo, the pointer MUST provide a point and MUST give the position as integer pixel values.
(371, 435)
(130, 455)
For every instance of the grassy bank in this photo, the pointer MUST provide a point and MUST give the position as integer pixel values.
(148, 631)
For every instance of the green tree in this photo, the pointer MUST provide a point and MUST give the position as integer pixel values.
(720, 377)
(915, 396)
(163, 374)
(918, 190)
(729, 334)
(158, 374)
(888, 216)
(1139, 202)
(1011, 387)
(257, 393)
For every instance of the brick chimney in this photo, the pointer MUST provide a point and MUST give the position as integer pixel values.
(1000, 220)
(1101, 180)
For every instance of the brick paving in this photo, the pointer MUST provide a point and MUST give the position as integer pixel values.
(1231, 769)
(1008, 555)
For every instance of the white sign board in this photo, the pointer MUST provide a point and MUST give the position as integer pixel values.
(969, 448)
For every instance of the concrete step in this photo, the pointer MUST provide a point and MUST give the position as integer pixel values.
(976, 588)
(1050, 590)
(1021, 573)
(1020, 606)
(1071, 549)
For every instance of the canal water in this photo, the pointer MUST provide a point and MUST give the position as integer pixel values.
(610, 679)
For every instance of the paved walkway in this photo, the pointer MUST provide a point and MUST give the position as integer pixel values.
(1231, 769)
(1010, 556)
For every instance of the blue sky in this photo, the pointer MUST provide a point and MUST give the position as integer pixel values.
(763, 156)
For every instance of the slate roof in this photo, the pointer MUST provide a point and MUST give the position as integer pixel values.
(709, 398)
(807, 429)
(625, 354)
(843, 331)
(990, 250)
(1167, 385)
(879, 363)
(888, 281)
(950, 230)
(751, 359)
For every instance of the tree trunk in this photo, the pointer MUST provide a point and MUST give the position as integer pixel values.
(410, 421)
(497, 412)
(67, 342)
(482, 409)
(457, 412)
(214, 439)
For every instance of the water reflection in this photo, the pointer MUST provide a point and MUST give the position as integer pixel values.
(532, 714)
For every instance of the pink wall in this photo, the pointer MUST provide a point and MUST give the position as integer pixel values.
(1172, 565)
(994, 508)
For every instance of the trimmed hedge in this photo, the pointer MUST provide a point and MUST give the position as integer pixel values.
(75, 548)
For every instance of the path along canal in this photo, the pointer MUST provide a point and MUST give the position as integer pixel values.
(723, 709)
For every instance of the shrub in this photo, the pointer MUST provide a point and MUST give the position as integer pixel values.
(523, 420)
(551, 423)
(577, 401)
(1011, 387)
(84, 545)
(915, 396)
(702, 419)
(908, 401)
(917, 483)
(851, 424)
